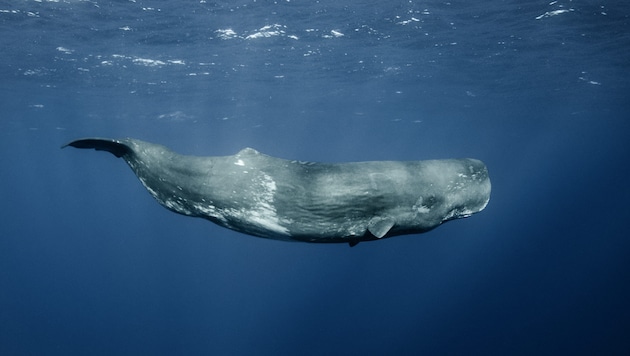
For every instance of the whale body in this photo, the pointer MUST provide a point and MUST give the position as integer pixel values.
(281, 199)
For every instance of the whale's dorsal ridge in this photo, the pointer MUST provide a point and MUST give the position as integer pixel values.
(248, 151)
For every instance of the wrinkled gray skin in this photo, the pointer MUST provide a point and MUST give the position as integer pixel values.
(274, 198)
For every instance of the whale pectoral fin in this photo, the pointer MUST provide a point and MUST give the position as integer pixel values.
(115, 147)
(380, 226)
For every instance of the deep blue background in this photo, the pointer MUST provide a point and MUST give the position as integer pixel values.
(91, 264)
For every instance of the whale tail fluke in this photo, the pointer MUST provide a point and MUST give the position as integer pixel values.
(115, 147)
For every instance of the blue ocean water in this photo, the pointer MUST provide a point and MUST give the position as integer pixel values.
(538, 90)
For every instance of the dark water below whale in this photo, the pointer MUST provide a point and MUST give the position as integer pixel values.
(90, 264)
